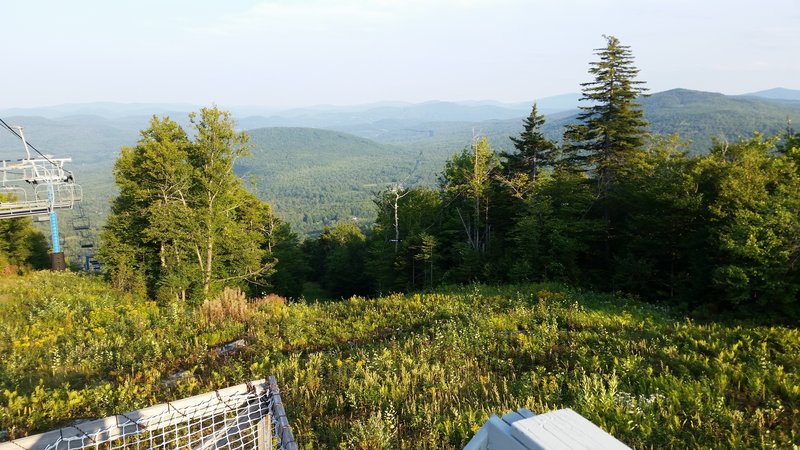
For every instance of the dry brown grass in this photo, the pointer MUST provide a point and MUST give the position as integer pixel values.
(274, 299)
(231, 304)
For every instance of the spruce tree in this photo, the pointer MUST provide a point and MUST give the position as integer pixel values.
(607, 144)
(534, 151)
(612, 126)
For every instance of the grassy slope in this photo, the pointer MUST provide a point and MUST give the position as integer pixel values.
(416, 371)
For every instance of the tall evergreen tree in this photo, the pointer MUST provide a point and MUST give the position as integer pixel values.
(534, 151)
(607, 143)
(612, 125)
(522, 173)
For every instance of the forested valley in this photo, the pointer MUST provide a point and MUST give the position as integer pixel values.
(652, 287)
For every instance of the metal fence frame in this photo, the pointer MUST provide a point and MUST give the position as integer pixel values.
(274, 425)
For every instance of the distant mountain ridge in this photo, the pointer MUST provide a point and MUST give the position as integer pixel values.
(320, 116)
(327, 116)
(697, 116)
(106, 110)
(315, 176)
(702, 116)
(777, 94)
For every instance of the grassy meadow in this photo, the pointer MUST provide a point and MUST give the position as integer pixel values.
(403, 371)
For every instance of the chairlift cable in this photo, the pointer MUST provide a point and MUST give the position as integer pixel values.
(14, 132)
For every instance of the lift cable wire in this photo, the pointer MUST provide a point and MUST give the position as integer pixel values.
(14, 132)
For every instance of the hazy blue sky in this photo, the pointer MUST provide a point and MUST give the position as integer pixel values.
(306, 52)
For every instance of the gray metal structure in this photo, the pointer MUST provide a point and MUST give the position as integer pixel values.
(29, 182)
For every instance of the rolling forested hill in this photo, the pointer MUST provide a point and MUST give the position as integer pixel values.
(315, 177)
(700, 116)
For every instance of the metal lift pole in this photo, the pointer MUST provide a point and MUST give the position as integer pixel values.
(57, 256)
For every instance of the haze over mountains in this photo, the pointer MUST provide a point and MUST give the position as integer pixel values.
(316, 177)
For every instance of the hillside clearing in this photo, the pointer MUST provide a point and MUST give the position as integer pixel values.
(406, 371)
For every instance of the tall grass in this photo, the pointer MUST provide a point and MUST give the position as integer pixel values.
(408, 371)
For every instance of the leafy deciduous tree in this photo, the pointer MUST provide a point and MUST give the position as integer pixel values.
(22, 247)
(183, 223)
(467, 183)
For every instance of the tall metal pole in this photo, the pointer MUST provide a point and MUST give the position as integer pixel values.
(57, 257)
(51, 198)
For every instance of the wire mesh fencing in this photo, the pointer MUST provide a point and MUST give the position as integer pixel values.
(247, 416)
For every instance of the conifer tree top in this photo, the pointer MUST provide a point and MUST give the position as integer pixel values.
(613, 125)
(614, 75)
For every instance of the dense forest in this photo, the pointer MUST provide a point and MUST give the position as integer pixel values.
(320, 177)
(403, 140)
(611, 206)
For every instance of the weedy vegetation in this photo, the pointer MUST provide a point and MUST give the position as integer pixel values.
(403, 371)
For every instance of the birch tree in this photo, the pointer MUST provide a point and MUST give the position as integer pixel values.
(183, 224)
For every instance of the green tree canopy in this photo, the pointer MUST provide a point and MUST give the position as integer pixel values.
(22, 247)
(183, 223)
(753, 199)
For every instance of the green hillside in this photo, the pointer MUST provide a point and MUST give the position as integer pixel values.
(701, 116)
(406, 371)
(315, 177)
